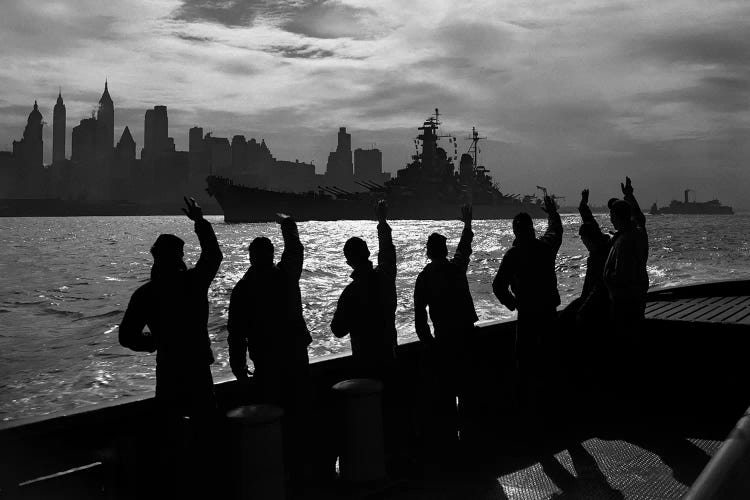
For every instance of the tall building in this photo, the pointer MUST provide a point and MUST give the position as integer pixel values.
(30, 150)
(368, 164)
(197, 157)
(155, 134)
(239, 154)
(125, 149)
(339, 169)
(89, 143)
(106, 116)
(58, 130)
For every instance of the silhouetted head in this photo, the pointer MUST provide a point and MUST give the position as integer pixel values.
(261, 252)
(523, 226)
(168, 254)
(620, 213)
(436, 248)
(590, 235)
(356, 252)
(611, 202)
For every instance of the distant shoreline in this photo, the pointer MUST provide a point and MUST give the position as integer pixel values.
(52, 207)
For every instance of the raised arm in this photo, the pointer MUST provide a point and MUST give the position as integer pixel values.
(420, 311)
(463, 251)
(386, 250)
(553, 235)
(210, 258)
(237, 327)
(627, 190)
(131, 334)
(293, 255)
(583, 208)
(501, 283)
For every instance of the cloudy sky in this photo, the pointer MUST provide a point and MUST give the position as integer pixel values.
(569, 94)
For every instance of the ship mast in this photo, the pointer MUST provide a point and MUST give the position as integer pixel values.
(474, 149)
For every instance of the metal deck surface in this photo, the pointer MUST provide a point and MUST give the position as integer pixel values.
(734, 309)
(596, 469)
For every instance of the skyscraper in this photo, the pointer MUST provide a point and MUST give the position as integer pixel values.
(58, 130)
(106, 116)
(155, 134)
(339, 167)
(30, 149)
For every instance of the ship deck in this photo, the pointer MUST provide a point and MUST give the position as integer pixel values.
(591, 442)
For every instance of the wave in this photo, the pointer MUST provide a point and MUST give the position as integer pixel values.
(108, 314)
(62, 313)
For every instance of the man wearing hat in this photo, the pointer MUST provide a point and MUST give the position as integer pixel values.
(443, 288)
(625, 272)
(174, 307)
(526, 281)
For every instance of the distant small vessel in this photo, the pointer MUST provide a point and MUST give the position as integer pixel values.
(713, 207)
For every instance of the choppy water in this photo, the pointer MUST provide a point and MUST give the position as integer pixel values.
(65, 283)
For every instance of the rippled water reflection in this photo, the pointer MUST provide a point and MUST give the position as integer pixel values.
(65, 282)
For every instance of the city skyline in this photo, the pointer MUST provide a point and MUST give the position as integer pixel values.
(567, 95)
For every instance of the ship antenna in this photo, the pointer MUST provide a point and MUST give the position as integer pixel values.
(473, 149)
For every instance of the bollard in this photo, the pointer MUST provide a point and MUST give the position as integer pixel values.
(258, 450)
(362, 454)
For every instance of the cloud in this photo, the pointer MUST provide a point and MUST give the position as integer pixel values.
(726, 46)
(305, 51)
(332, 19)
(313, 18)
(720, 94)
(232, 13)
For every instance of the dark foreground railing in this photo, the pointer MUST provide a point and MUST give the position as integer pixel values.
(727, 475)
(99, 452)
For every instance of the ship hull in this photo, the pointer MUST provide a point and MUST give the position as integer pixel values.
(241, 204)
(697, 209)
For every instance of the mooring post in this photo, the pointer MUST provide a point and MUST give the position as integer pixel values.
(255, 433)
(361, 450)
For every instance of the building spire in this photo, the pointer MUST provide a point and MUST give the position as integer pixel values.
(105, 95)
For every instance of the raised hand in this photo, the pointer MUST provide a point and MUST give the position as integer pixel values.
(193, 211)
(466, 214)
(382, 211)
(281, 217)
(585, 197)
(627, 188)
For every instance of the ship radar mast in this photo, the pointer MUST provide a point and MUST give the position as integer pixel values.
(474, 148)
(428, 137)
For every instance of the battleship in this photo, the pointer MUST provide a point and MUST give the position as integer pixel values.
(428, 188)
(711, 207)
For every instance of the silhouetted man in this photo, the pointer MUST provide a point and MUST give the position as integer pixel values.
(174, 306)
(366, 309)
(443, 288)
(266, 322)
(593, 305)
(528, 269)
(625, 272)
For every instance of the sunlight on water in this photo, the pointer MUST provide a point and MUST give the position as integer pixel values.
(65, 283)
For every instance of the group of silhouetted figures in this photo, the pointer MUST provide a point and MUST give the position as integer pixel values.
(266, 320)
